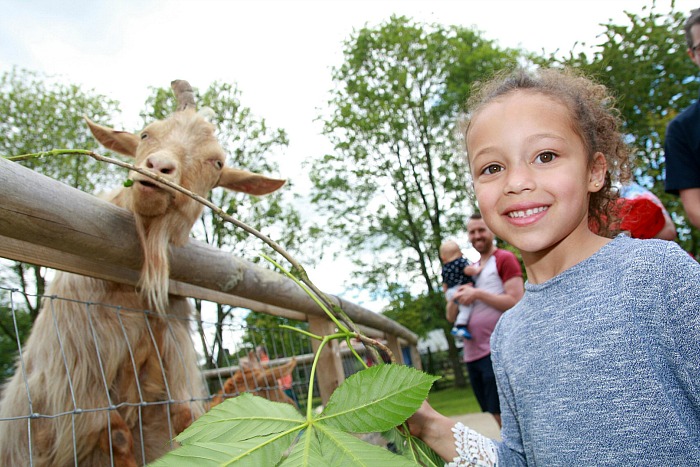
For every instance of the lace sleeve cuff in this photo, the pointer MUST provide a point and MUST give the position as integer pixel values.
(473, 449)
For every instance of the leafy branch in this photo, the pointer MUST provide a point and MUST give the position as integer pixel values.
(249, 430)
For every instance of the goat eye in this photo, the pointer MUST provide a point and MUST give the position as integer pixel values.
(219, 164)
(144, 135)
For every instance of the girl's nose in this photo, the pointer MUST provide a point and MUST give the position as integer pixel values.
(519, 179)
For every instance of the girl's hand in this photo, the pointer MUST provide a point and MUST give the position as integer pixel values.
(434, 429)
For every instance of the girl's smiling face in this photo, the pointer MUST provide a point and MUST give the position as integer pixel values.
(531, 171)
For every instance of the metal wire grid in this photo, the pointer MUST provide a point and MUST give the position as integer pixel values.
(280, 343)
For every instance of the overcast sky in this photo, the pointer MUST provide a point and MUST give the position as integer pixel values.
(278, 52)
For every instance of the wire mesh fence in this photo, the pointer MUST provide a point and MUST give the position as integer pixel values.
(87, 379)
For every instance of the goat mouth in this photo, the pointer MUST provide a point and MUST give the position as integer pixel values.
(148, 184)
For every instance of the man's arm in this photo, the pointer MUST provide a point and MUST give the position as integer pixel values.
(514, 291)
(691, 203)
(467, 294)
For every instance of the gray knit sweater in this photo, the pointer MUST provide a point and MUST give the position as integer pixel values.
(601, 364)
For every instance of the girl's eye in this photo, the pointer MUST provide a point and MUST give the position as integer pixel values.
(545, 157)
(491, 169)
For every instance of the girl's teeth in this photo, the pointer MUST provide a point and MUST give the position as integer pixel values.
(527, 213)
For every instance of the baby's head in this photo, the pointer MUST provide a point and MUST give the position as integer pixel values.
(592, 118)
(449, 251)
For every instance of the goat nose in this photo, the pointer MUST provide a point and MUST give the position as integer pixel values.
(160, 165)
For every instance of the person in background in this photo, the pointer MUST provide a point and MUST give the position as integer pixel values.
(682, 145)
(498, 287)
(597, 364)
(456, 271)
(642, 214)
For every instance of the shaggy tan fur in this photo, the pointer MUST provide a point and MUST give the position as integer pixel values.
(82, 359)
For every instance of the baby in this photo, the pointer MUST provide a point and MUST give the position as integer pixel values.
(456, 271)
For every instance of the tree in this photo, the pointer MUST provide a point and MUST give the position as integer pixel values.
(40, 114)
(396, 185)
(279, 343)
(644, 63)
(249, 142)
(14, 320)
(420, 314)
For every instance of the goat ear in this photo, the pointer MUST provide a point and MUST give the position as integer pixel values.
(122, 142)
(248, 182)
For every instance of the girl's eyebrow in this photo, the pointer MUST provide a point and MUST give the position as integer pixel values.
(539, 136)
(530, 139)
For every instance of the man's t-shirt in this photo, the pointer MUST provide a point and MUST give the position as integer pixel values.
(682, 150)
(499, 268)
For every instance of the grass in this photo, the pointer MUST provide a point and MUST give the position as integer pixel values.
(454, 401)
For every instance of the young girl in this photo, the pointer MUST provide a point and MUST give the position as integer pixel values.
(598, 364)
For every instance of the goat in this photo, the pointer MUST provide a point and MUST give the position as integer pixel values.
(253, 378)
(93, 381)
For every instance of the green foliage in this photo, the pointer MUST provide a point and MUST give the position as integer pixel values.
(420, 314)
(645, 65)
(392, 118)
(40, 114)
(11, 323)
(249, 430)
(454, 401)
(258, 326)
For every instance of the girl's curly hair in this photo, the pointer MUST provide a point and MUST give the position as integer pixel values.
(593, 115)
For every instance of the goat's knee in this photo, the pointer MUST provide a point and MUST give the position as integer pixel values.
(117, 439)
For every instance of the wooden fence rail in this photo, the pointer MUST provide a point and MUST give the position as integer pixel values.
(45, 222)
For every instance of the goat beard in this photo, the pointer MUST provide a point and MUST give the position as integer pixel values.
(156, 234)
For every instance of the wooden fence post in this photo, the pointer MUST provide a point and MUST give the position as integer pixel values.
(393, 343)
(329, 372)
(415, 357)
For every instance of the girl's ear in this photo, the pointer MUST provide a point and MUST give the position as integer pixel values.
(599, 168)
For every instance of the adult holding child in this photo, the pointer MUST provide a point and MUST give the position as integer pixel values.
(497, 287)
(598, 363)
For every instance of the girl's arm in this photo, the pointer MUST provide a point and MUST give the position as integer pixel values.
(455, 443)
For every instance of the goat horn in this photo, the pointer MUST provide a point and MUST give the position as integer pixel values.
(184, 94)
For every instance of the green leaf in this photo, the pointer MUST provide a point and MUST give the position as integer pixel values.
(377, 399)
(413, 449)
(241, 418)
(306, 452)
(253, 452)
(339, 448)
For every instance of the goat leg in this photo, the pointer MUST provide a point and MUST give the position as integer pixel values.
(120, 443)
